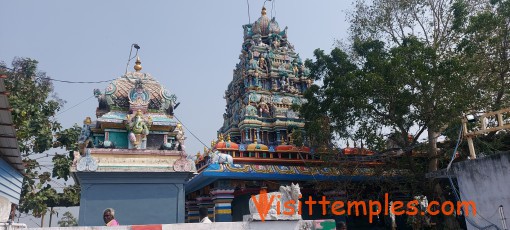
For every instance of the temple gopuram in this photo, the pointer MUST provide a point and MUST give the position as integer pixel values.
(255, 149)
(132, 157)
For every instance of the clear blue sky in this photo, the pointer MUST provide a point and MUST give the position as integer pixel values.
(190, 46)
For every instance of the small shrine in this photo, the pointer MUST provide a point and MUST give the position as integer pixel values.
(132, 156)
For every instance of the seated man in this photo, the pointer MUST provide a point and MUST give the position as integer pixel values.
(109, 217)
(203, 211)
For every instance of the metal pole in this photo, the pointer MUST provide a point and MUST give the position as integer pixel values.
(472, 154)
(503, 218)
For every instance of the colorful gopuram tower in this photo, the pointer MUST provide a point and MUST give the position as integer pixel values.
(255, 148)
(132, 157)
(269, 78)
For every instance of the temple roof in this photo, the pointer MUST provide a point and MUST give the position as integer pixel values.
(133, 91)
(264, 26)
(215, 172)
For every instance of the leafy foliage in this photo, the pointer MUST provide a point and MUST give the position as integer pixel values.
(34, 108)
(68, 220)
(485, 49)
(412, 68)
(398, 89)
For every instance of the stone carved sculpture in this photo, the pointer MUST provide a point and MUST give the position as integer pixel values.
(286, 194)
(84, 138)
(138, 128)
(87, 163)
(221, 158)
(180, 138)
(76, 158)
(262, 63)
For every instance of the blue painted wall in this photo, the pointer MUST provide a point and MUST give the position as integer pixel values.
(119, 139)
(10, 182)
(138, 198)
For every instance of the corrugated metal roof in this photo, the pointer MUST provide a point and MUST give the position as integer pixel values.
(9, 150)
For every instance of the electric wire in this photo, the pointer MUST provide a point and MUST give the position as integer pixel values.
(63, 81)
(457, 193)
(272, 7)
(75, 82)
(190, 131)
(249, 19)
(74, 105)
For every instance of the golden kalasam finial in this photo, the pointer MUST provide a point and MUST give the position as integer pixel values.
(263, 11)
(283, 140)
(255, 139)
(138, 65)
(228, 137)
(87, 121)
(220, 137)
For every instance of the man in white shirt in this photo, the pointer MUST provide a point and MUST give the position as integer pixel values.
(203, 211)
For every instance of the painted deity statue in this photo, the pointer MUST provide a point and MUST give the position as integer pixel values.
(138, 129)
(180, 138)
(262, 63)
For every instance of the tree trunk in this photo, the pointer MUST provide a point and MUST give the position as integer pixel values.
(449, 220)
(42, 221)
(51, 215)
(432, 150)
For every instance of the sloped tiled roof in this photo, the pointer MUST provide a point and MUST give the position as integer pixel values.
(9, 150)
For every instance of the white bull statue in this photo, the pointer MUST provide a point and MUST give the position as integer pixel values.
(221, 158)
(286, 197)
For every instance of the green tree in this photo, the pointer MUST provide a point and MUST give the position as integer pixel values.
(408, 89)
(485, 49)
(433, 22)
(34, 108)
(68, 220)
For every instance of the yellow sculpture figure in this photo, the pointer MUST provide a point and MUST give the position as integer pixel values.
(138, 130)
(262, 64)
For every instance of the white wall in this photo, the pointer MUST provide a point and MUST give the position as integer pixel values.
(486, 181)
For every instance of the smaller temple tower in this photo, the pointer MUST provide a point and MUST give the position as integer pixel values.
(132, 158)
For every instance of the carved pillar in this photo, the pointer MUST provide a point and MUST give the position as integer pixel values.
(222, 199)
(252, 133)
(258, 135)
(206, 201)
(278, 139)
(192, 215)
(246, 134)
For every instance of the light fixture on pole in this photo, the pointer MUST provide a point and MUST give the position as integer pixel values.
(471, 118)
(176, 105)
(137, 47)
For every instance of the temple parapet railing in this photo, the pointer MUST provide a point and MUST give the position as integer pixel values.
(101, 159)
(302, 158)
